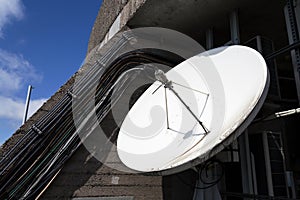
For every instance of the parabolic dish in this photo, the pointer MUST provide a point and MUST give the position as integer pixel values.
(221, 87)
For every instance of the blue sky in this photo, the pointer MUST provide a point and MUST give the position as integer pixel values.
(42, 43)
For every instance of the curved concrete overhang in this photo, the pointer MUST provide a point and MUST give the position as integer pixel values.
(194, 17)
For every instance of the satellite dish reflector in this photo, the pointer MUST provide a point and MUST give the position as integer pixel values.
(192, 109)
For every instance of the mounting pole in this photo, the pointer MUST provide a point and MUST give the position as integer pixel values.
(161, 77)
(27, 104)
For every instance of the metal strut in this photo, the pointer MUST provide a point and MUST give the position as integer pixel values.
(161, 77)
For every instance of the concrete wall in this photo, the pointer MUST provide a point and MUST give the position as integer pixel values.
(124, 10)
(107, 14)
(84, 177)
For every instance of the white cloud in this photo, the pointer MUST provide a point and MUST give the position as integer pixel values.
(15, 74)
(15, 71)
(13, 109)
(9, 10)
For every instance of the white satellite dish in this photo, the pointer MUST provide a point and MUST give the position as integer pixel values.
(190, 111)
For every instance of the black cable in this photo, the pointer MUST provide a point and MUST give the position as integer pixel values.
(31, 159)
(204, 168)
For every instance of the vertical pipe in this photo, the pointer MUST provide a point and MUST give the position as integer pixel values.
(292, 11)
(268, 164)
(27, 104)
(258, 44)
(253, 174)
(234, 27)
(290, 184)
(245, 160)
(209, 38)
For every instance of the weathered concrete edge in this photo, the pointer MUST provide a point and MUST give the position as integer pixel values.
(118, 24)
(107, 13)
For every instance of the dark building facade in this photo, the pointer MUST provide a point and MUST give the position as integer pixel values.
(262, 163)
